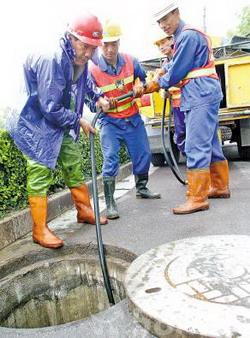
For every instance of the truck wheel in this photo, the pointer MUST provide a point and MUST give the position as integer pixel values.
(158, 160)
(244, 152)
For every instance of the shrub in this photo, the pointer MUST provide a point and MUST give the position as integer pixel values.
(13, 176)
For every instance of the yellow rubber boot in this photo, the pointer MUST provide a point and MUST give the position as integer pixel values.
(40, 232)
(198, 185)
(219, 174)
(85, 213)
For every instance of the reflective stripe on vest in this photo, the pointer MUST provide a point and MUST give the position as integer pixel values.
(200, 72)
(205, 71)
(117, 85)
(112, 86)
(175, 93)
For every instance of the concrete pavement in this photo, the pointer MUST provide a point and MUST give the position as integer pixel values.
(145, 224)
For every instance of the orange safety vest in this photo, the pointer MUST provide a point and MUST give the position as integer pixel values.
(205, 71)
(117, 85)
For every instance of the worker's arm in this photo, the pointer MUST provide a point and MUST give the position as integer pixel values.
(183, 59)
(139, 71)
(51, 83)
(95, 98)
(92, 91)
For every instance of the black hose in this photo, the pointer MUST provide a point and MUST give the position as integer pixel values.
(101, 253)
(169, 158)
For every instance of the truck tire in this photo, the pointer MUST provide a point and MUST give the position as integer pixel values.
(244, 152)
(158, 160)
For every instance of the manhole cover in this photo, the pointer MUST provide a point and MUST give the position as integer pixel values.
(194, 287)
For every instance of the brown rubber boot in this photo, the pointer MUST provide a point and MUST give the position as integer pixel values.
(85, 213)
(198, 185)
(219, 174)
(41, 234)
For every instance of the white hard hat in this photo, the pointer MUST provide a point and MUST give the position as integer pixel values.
(164, 7)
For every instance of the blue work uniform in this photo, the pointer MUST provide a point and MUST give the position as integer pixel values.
(200, 98)
(130, 130)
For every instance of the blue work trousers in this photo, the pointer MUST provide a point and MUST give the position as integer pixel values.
(179, 128)
(136, 141)
(202, 142)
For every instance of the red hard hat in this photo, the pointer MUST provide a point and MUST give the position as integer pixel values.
(87, 28)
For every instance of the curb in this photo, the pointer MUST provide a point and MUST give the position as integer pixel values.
(19, 223)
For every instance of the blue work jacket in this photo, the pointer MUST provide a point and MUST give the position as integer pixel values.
(46, 115)
(191, 51)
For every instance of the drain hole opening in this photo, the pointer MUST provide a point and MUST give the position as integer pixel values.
(153, 290)
(58, 291)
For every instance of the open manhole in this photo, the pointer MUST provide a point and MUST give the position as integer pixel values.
(47, 288)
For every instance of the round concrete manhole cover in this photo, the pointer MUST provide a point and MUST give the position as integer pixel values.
(193, 287)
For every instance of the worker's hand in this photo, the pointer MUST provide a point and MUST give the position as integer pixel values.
(151, 87)
(103, 104)
(112, 103)
(138, 90)
(164, 94)
(158, 73)
(86, 127)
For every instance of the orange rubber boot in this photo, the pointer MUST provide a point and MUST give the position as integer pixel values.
(198, 185)
(219, 174)
(41, 234)
(85, 213)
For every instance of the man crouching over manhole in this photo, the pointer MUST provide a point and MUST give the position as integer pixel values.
(48, 127)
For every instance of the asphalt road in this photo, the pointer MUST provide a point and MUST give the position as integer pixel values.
(145, 224)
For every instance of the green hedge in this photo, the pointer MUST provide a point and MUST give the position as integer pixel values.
(13, 195)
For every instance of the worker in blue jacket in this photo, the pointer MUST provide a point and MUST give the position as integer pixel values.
(193, 70)
(165, 44)
(48, 127)
(115, 74)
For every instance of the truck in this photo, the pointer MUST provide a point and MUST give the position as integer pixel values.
(232, 64)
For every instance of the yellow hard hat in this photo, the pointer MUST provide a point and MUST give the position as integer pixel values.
(161, 38)
(158, 36)
(111, 31)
